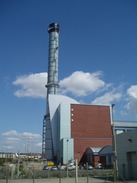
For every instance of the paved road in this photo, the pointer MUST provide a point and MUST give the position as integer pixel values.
(56, 180)
(63, 180)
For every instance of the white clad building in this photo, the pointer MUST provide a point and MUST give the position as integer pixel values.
(127, 154)
(63, 144)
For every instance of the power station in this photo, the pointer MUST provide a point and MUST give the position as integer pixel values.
(71, 130)
(84, 132)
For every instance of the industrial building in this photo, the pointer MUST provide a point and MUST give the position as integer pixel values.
(90, 128)
(70, 128)
(76, 127)
(124, 126)
(127, 154)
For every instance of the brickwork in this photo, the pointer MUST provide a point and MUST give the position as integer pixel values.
(90, 127)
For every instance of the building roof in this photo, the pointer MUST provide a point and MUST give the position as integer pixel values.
(93, 150)
(106, 150)
(56, 100)
(132, 124)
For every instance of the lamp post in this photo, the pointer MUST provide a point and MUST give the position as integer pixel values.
(67, 156)
(115, 165)
(78, 158)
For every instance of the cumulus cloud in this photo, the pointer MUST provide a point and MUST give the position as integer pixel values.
(107, 98)
(131, 105)
(8, 147)
(38, 144)
(78, 83)
(132, 91)
(32, 85)
(11, 133)
(31, 135)
(82, 83)
(14, 140)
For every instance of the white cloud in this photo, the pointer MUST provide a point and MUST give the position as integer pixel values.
(11, 133)
(31, 135)
(32, 85)
(132, 91)
(82, 83)
(6, 147)
(131, 105)
(78, 83)
(12, 140)
(38, 144)
(107, 98)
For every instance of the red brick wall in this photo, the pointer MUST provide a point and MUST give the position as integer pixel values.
(90, 127)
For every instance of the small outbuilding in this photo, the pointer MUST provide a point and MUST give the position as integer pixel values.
(103, 155)
(127, 154)
(106, 156)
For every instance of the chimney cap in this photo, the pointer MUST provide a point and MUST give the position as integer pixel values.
(53, 27)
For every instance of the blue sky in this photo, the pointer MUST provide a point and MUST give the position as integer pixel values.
(97, 61)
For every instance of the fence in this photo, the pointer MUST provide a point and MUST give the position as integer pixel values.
(32, 175)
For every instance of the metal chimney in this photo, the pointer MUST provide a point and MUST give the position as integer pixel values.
(52, 86)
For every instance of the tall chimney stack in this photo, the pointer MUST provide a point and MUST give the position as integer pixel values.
(52, 83)
(52, 86)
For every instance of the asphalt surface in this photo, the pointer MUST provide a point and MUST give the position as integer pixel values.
(56, 180)
(63, 180)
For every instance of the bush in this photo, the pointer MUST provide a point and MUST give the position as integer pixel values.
(2, 161)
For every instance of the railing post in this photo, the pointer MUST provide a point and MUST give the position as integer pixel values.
(87, 171)
(76, 169)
